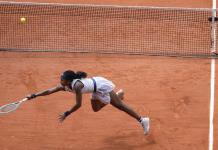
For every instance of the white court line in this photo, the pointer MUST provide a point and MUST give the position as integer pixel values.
(212, 96)
(212, 79)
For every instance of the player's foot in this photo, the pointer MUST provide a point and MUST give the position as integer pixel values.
(145, 124)
(120, 94)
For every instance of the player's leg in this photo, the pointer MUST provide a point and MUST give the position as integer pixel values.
(98, 105)
(116, 102)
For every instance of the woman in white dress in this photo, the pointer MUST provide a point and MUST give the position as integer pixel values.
(102, 91)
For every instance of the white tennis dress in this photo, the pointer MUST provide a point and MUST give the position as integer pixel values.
(103, 88)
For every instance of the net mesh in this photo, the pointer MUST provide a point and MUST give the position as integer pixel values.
(105, 29)
(8, 108)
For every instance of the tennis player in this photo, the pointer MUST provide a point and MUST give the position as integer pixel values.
(102, 94)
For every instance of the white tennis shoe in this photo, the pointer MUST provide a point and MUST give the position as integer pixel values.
(145, 124)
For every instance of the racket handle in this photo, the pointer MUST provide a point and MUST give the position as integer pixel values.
(23, 100)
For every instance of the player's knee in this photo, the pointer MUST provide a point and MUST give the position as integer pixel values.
(95, 109)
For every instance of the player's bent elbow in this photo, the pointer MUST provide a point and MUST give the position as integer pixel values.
(78, 105)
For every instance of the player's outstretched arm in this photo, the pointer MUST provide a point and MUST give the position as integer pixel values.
(46, 92)
(78, 88)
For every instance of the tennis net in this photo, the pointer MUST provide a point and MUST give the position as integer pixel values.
(105, 29)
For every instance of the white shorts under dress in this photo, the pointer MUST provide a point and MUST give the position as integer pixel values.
(104, 87)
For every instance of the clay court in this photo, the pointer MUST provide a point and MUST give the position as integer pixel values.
(173, 91)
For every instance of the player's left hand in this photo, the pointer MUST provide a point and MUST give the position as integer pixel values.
(63, 116)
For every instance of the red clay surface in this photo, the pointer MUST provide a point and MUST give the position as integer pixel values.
(174, 92)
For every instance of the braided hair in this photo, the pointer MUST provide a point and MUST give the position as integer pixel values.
(70, 75)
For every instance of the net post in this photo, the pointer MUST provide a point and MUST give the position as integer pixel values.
(213, 20)
(213, 31)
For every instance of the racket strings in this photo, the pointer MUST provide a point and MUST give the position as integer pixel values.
(8, 108)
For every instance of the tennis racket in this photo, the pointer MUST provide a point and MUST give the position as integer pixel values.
(11, 107)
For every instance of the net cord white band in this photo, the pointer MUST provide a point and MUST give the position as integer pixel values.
(105, 6)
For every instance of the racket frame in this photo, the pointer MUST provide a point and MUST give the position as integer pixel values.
(16, 103)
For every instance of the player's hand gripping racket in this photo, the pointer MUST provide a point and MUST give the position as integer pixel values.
(11, 107)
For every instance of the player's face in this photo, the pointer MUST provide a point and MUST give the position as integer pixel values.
(64, 83)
